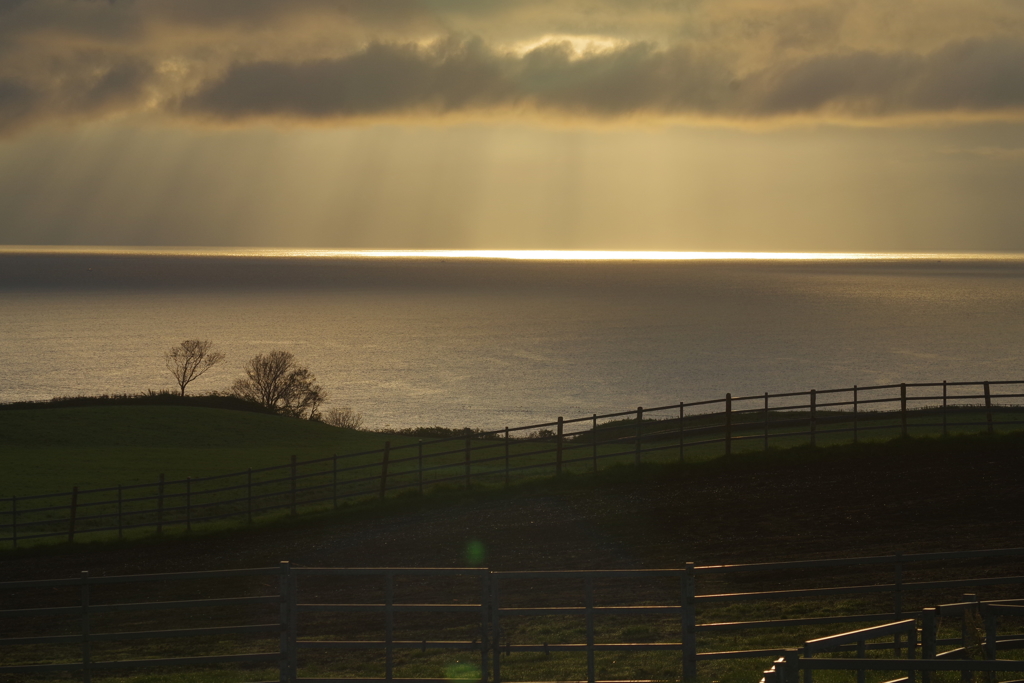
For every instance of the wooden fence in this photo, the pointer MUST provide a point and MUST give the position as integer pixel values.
(787, 669)
(684, 430)
(288, 619)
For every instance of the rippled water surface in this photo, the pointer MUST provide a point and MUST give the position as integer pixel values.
(493, 342)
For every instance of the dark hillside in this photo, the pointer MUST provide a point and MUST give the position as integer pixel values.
(158, 426)
(96, 446)
(914, 495)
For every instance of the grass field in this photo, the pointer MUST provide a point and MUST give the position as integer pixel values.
(215, 462)
(52, 450)
(804, 502)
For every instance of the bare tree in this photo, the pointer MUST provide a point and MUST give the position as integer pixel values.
(276, 381)
(343, 417)
(190, 359)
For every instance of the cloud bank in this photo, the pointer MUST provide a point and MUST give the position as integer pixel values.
(234, 61)
(465, 75)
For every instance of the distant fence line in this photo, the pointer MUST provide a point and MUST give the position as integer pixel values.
(700, 428)
(485, 604)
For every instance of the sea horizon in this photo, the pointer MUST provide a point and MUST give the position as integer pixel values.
(460, 339)
(503, 254)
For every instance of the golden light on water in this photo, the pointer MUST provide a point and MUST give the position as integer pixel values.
(557, 255)
(510, 254)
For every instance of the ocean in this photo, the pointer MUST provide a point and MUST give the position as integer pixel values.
(482, 341)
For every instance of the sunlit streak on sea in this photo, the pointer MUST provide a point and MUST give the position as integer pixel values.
(425, 339)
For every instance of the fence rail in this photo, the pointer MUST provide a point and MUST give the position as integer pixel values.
(787, 669)
(676, 432)
(481, 612)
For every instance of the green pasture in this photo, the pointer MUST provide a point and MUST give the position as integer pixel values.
(52, 450)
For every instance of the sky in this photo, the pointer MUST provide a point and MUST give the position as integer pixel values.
(684, 125)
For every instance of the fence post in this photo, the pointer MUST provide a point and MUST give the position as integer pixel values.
(903, 410)
(990, 640)
(188, 503)
(766, 421)
(689, 624)
(468, 447)
(682, 431)
(506, 459)
(791, 667)
(389, 625)
(897, 600)
(419, 463)
(728, 424)
(284, 602)
(495, 626)
(72, 514)
(293, 624)
(558, 447)
(294, 477)
(988, 407)
(855, 412)
(334, 481)
(384, 469)
(248, 487)
(86, 653)
(639, 431)
(160, 506)
(966, 675)
(593, 439)
(120, 517)
(945, 430)
(591, 677)
(485, 624)
(814, 418)
(929, 636)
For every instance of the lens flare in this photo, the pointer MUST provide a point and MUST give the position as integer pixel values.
(475, 553)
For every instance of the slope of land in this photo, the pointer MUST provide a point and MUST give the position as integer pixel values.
(54, 449)
(905, 495)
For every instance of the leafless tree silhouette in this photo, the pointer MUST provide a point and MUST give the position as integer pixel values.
(276, 381)
(190, 359)
(343, 417)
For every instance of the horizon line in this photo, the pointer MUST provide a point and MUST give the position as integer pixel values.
(503, 254)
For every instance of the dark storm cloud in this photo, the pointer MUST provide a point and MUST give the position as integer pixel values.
(316, 60)
(109, 88)
(451, 76)
(465, 76)
(971, 76)
(16, 102)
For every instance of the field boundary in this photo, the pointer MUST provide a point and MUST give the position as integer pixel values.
(484, 602)
(584, 444)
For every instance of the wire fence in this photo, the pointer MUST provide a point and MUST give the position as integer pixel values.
(683, 431)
